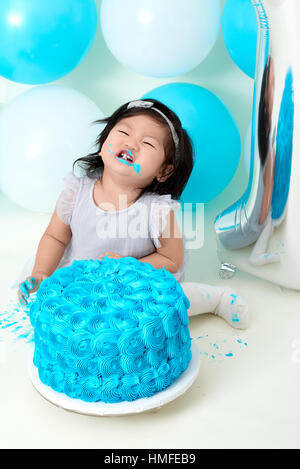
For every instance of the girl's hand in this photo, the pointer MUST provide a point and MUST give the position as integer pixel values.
(114, 255)
(30, 285)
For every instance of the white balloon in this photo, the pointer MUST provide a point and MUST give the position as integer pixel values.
(42, 132)
(160, 38)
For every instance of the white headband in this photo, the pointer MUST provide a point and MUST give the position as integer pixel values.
(148, 104)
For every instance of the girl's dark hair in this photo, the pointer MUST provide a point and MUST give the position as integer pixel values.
(183, 164)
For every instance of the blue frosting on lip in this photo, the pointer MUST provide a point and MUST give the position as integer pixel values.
(111, 330)
(136, 166)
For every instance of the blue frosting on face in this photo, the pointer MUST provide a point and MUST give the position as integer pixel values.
(111, 330)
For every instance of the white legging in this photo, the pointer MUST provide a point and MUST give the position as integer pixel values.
(203, 298)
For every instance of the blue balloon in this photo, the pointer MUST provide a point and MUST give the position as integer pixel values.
(214, 135)
(42, 41)
(239, 27)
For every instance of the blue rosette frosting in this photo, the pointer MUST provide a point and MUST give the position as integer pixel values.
(112, 330)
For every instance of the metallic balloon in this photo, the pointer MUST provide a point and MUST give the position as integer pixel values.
(260, 232)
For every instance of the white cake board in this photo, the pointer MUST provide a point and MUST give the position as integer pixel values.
(179, 386)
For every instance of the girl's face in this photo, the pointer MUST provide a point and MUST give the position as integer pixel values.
(141, 140)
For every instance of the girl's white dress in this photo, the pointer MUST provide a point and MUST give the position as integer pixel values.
(132, 231)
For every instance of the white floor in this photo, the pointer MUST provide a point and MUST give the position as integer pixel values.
(249, 400)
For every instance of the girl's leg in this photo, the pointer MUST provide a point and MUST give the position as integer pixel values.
(222, 301)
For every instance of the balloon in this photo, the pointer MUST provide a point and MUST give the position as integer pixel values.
(42, 132)
(214, 135)
(160, 38)
(239, 28)
(260, 232)
(42, 41)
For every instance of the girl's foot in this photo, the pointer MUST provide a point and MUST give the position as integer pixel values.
(233, 309)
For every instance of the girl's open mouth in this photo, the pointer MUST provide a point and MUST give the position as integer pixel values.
(125, 155)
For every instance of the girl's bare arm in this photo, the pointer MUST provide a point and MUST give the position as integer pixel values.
(171, 253)
(52, 246)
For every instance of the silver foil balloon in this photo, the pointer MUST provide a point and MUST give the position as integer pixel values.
(260, 232)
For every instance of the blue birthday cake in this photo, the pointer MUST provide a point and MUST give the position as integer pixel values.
(112, 330)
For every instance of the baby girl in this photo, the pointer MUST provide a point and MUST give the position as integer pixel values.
(123, 205)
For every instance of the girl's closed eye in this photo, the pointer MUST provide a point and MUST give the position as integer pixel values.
(147, 143)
